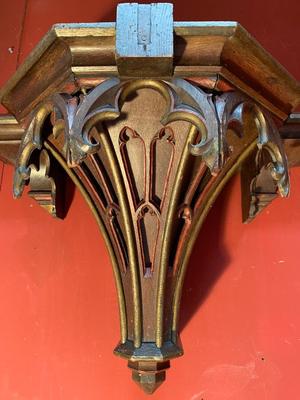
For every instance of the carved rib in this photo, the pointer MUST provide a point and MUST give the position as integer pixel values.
(166, 242)
(133, 263)
(87, 198)
(210, 197)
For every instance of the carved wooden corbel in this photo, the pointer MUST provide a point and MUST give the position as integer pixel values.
(150, 119)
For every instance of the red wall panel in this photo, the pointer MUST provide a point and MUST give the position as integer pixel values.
(240, 322)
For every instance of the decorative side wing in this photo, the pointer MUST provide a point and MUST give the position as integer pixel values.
(264, 174)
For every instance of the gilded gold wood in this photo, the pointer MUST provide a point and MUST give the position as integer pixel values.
(85, 53)
(150, 157)
(10, 138)
(93, 209)
(150, 136)
(130, 240)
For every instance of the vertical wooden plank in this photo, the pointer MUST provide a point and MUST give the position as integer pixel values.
(144, 31)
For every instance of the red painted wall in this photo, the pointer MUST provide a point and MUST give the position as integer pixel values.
(58, 312)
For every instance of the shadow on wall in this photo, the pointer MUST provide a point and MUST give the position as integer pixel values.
(208, 261)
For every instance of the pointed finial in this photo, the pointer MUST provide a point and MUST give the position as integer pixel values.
(149, 375)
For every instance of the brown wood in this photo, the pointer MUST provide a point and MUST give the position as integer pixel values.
(150, 137)
(150, 157)
(79, 51)
(10, 138)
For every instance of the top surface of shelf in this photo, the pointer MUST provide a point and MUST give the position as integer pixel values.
(71, 55)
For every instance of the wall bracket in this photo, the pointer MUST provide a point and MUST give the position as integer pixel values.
(150, 118)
